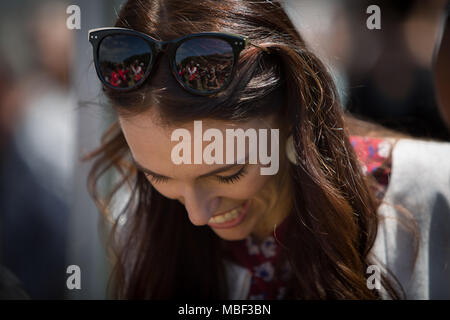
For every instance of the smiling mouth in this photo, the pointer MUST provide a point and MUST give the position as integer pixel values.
(230, 218)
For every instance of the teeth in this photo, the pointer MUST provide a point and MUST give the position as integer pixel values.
(220, 219)
(230, 215)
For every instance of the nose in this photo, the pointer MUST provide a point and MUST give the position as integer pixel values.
(199, 205)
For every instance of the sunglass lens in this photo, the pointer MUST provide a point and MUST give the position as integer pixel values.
(204, 64)
(123, 60)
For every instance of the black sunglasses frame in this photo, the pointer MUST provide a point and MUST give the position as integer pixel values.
(237, 43)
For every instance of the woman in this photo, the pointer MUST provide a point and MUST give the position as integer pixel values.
(212, 80)
(196, 230)
(193, 74)
(137, 71)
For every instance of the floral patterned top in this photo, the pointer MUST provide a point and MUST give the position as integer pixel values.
(373, 154)
(260, 259)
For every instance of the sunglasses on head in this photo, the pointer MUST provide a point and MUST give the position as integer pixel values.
(202, 63)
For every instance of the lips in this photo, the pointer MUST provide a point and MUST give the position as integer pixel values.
(230, 218)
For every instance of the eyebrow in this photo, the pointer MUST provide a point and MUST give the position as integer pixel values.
(218, 170)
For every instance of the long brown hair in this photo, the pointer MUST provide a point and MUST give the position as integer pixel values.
(158, 253)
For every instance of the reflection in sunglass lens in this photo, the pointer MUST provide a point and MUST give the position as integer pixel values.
(204, 64)
(123, 60)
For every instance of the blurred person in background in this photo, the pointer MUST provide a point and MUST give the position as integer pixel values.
(383, 75)
(47, 127)
(390, 77)
(10, 286)
(38, 158)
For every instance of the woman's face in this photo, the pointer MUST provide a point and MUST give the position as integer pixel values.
(235, 200)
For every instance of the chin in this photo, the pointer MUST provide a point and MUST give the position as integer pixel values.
(239, 232)
(232, 235)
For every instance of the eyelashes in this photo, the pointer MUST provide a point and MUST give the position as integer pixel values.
(233, 178)
(155, 178)
(222, 179)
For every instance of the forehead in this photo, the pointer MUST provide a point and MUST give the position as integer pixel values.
(151, 146)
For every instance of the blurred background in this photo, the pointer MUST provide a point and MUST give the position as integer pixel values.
(50, 116)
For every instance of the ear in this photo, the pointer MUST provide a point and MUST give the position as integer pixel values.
(290, 150)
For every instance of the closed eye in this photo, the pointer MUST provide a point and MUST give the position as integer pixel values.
(156, 178)
(233, 178)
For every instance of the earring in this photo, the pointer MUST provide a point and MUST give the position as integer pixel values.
(290, 150)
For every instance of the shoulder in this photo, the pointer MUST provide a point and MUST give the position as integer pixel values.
(423, 153)
(418, 191)
(420, 174)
